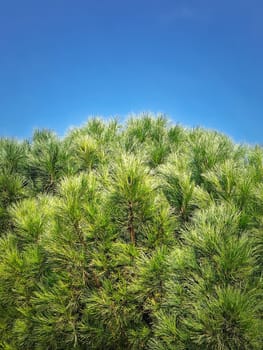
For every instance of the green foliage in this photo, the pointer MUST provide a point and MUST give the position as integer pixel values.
(137, 236)
(48, 161)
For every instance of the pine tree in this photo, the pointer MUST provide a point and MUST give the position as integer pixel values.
(145, 235)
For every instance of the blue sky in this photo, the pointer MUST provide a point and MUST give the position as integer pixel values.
(198, 61)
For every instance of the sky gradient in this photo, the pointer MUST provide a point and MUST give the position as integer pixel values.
(199, 61)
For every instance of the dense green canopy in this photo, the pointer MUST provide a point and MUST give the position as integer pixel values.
(145, 235)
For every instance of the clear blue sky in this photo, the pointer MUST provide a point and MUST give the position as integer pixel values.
(199, 61)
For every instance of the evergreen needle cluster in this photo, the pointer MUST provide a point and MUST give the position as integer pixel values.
(145, 235)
